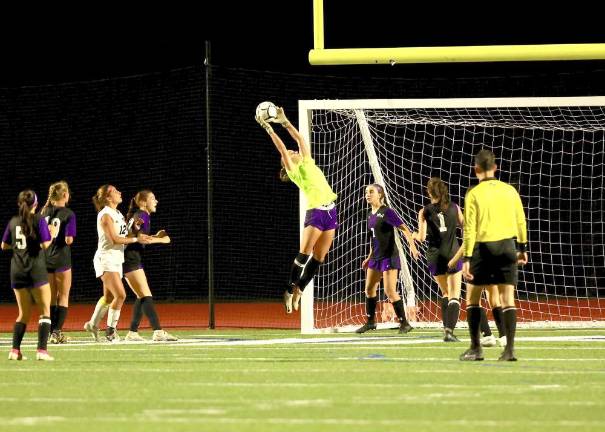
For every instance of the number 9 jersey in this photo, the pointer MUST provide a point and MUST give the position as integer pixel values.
(58, 255)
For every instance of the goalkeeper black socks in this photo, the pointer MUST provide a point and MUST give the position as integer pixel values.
(308, 273)
(296, 270)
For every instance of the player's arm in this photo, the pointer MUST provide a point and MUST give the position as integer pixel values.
(410, 239)
(70, 230)
(303, 147)
(454, 261)
(364, 264)
(470, 234)
(44, 233)
(6, 239)
(521, 231)
(420, 235)
(160, 237)
(278, 143)
(110, 232)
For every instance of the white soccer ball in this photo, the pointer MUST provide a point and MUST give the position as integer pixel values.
(266, 110)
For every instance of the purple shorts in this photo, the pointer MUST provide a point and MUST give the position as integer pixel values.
(322, 218)
(384, 264)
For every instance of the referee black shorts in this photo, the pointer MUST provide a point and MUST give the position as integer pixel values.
(494, 263)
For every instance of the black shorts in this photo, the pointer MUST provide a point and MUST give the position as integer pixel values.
(494, 263)
(29, 274)
(132, 261)
(59, 261)
(438, 262)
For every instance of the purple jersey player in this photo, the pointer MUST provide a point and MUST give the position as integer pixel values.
(27, 234)
(383, 260)
(58, 255)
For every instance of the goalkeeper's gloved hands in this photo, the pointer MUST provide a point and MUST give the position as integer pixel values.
(266, 126)
(281, 118)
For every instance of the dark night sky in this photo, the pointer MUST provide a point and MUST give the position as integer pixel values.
(48, 46)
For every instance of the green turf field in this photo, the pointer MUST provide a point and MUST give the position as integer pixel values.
(251, 380)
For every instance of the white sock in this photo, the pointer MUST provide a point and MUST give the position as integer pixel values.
(112, 318)
(100, 311)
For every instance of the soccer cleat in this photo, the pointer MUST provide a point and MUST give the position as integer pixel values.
(163, 336)
(112, 335)
(296, 296)
(134, 337)
(288, 301)
(502, 341)
(63, 338)
(488, 341)
(16, 355)
(507, 356)
(405, 327)
(472, 355)
(54, 338)
(93, 330)
(367, 326)
(44, 356)
(450, 337)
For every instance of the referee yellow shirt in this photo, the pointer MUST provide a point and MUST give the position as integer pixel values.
(493, 211)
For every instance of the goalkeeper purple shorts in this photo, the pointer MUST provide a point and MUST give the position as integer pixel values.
(323, 218)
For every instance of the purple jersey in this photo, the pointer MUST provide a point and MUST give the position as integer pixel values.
(382, 225)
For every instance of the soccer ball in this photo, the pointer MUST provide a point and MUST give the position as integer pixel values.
(266, 111)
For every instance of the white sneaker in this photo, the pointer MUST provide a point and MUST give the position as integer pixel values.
(134, 337)
(296, 296)
(93, 330)
(502, 341)
(288, 301)
(44, 356)
(16, 355)
(488, 341)
(163, 336)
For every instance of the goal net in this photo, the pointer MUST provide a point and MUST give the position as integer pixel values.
(551, 149)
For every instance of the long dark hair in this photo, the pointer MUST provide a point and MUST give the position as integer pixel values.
(438, 190)
(134, 202)
(100, 198)
(26, 201)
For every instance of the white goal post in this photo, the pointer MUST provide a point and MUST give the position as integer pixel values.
(551, 149)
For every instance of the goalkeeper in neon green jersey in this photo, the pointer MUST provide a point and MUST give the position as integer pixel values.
(321, 220)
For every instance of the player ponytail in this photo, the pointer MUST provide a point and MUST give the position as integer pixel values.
(283, 174)
(438, 190)
(135, 202)
(27, 201)
(100, 198)
(56, 191)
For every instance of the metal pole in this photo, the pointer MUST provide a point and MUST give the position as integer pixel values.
(207, 65)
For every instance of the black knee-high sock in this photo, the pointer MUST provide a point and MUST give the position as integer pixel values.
(509, 320)
(18, 333)
(473, 317)
(371, 308)
(310, 270)
(453, 313)
(54, 309)
(43, 332)
(497, 312)
(150, 312)
(137, 315)
(296, 270)
(444, 303)
(400, 311)
(485, 324)
(61, 315)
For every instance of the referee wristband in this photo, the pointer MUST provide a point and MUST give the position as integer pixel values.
(522, 247)
(466, 258)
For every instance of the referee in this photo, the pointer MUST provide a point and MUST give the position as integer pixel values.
(495, 242)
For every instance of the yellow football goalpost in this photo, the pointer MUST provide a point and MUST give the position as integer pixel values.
(447, 54)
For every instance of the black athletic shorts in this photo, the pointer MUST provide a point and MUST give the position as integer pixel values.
(494, 263)
(59, 261)
(29, 274)
(132, 261)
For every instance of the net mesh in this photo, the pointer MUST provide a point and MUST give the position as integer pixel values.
(552, 155)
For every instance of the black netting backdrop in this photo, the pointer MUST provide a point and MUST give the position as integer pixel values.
(149, 131)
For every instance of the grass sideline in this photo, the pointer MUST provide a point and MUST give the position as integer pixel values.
(278, 380)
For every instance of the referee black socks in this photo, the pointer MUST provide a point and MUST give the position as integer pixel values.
(509, 321)
(473, 317)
